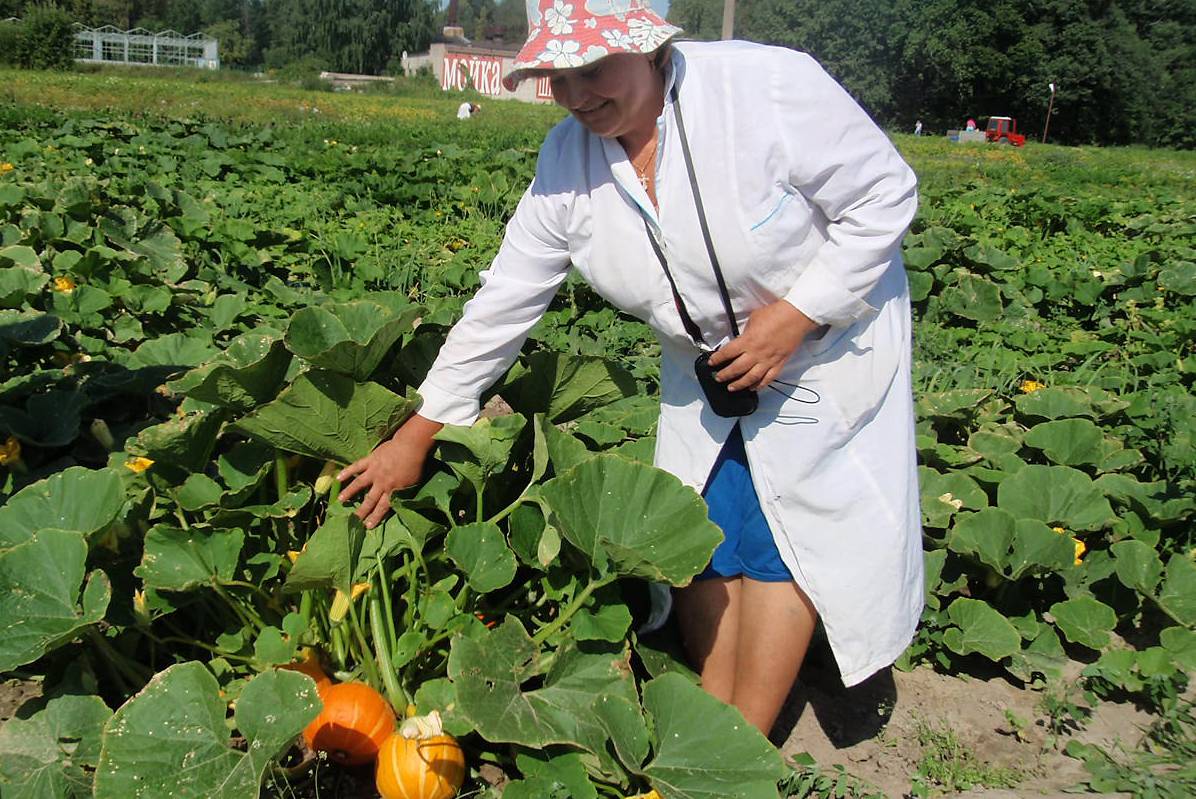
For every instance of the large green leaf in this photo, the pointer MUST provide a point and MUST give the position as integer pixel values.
(981, 629)
(47, 420)
(1011, 546)
(86, 501)
(973, 297)
(174, 351)
(564, 387)
(632, 519)
(1070, 442)
(185, 441)
(41, 606)
(29, 328)
(945, 494)
(1085, 620)
(702, 748)
(19, 283)
(330, 557)
(50, 755)
(481, 553)
(179, 560)
(249, 372)
(171, 738)
(328, 416)
(478, 451)
(1178, 593)
(1056, 495)
(489, 673)
(1055, 403)
(1138, 565)
(351, 338)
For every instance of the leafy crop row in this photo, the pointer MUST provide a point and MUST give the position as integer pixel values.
(196, 318)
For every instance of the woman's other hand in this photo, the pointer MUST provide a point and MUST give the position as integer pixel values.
(393, 465)
(755, 359)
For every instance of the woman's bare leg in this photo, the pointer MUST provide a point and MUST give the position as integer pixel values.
(775, 623)
(708, 612)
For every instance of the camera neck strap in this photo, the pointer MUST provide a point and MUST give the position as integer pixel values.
(690, 326)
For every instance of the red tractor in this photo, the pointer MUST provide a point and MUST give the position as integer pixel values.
(1003, 130)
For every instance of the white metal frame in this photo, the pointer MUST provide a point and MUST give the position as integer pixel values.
(140, 47)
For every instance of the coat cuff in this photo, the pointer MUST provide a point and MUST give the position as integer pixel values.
(820, 295)
(438, 405)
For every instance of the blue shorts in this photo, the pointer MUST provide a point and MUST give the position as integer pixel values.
(748, 548)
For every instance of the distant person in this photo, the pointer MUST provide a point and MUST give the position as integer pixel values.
(971, 124)
(918, 128)
(467, 110)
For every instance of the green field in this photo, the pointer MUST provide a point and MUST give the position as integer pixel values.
(212, 289)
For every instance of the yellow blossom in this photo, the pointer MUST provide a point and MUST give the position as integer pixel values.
(1080, 550)
(10, 452)
(141, 608)
(6, 167)
(293, 555)
(1059, 530)
(1030, 386)
(340, 602)
(137, 465)
(649, 795)
(64, 283)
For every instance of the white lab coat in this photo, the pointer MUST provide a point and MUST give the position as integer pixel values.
(807, 201)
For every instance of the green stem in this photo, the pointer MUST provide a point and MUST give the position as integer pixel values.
(479, 514)
(281, 478)
(135, 673)
(305, 609)
(178, 514)
(392, 636)
(365, 654)
(246, 616)
(337, 637)
(574, 606)
(509, 509)
(394, 688)
(257, 589)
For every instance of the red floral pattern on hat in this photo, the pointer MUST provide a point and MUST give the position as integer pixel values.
(563, 34)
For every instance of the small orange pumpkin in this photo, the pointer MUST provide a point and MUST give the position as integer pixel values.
(354, 723)
(420, 761)
(310, 665)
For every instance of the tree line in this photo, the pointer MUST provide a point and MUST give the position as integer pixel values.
(1125, 70)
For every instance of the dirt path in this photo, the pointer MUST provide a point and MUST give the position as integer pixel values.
(873, 729)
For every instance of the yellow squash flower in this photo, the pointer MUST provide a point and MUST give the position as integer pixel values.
(138, 465)
(340, 602)
(1080, 550)
(10, 452)
(6, 167)
(64, 284)
(1030, 386)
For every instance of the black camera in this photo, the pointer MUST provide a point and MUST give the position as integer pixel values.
(729, 404)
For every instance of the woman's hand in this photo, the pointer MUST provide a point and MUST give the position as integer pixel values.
(772, 334)
(393, 465)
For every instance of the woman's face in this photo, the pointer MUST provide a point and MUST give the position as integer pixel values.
(612, 96)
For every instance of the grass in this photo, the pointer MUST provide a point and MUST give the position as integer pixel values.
(950, 766)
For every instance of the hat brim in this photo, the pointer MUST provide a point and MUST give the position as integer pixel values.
(559, 42)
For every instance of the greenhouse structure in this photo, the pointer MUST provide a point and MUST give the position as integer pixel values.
(109, 45)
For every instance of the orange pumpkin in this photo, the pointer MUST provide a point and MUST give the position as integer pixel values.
(310, 665)
(420, 762)
(354, 723)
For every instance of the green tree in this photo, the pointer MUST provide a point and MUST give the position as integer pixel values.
(47, 40)
(848, 37)
(235, 47)
(701, 19)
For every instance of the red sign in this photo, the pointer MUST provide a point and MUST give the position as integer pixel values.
(543, 88)
(482, 72)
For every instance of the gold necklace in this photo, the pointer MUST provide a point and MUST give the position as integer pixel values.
(641, 172)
